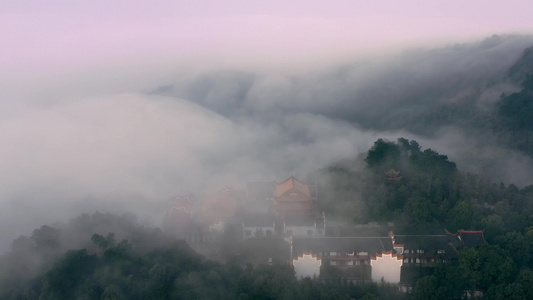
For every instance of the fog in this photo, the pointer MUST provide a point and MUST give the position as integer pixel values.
(127, 138)
(132, 152)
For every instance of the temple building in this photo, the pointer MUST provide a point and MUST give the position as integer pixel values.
(295, 211)
(357, 259)
(180, 214)
(220, 206)
(397, 259)
(293, 197)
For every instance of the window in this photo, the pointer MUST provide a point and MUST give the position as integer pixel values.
(350, 253)
(333, 254)
(406, 251)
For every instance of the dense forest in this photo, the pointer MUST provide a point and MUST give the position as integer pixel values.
(105, 256)
(427, 194)
(66, 261)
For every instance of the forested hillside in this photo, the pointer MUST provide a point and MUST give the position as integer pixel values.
(104, 256)
(472, 94)
(426, 194)
(143, 264)
(514, 118)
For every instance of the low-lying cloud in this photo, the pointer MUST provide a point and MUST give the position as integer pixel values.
(128, 152)
(132, 146)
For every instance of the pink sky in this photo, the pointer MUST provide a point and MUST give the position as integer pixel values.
(40, 35)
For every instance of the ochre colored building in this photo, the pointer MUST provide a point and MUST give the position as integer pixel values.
(293, 197)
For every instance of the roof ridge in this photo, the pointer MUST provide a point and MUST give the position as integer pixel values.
(344, 237)
(419, 235)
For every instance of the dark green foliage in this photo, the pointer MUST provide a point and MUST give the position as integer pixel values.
(122, 270)
(516, 110)
(485, 268)
(518, 246)
(46, 237)
(432, 195)
(523, 66)
(85, 260)
(427, 195)
(426, 288)
(486, 265)
(104, 242)
(525, 279)
(513, 121)
(267, 283)
(383, 153)
(62, 281)
(514, 291)
(421, 195)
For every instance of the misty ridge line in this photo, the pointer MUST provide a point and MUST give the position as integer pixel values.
(429, 94)
(48, 246)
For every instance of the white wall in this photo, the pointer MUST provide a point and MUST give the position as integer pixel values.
(388, 267)
(307, 266)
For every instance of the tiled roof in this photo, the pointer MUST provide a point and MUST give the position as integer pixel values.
(372, 245)
(472, 238)
(429, 243)
(289, 184)
(391, 253)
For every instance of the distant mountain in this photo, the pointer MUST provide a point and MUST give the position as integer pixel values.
(458, 97)
(522, 67)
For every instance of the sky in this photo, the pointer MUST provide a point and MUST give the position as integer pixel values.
(58, 35)
(81, 128)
